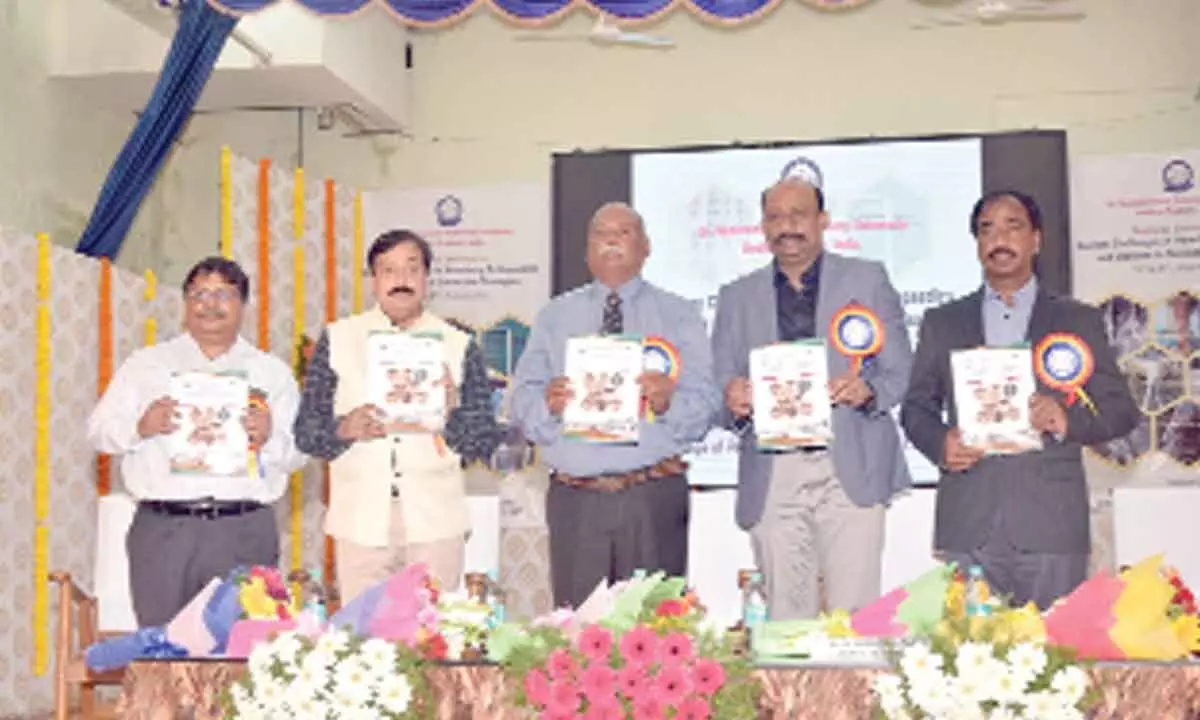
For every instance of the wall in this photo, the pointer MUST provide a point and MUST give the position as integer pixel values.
(55, 150)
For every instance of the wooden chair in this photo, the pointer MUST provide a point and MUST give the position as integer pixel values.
(77, 629)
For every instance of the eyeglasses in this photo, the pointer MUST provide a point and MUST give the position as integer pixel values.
(219, 295)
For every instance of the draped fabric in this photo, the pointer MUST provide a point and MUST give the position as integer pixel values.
(432, 13)
(194, 51)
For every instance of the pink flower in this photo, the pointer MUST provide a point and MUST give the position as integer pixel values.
(607, 710)
(647, 708)
(598, 683)
(694, 708)
(537, 688)
(561, 665)
(564, 698)
(639, 646)
(595, 643)
(708, 677)
(632, 681)
(558, 715)
(672, 685)
(677, 649)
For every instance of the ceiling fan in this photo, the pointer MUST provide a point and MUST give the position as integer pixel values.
(999, 12)
(603, 33)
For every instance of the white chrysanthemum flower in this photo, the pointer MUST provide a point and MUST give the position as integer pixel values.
(1027, 661)
(318, 665)
(933, 697)
(919, 663)
(890, 690)
(353, 680)
(285, 647)
(1004, 686)
(969, 690)
(333, 641)
(395, 694)
(974, 659)
(1071, 682)
(261, 662)
(1004, 712)
(309, 708)
(376, 652)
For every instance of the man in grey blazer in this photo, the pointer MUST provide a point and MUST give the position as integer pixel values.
(1024, 518)
(816, 512)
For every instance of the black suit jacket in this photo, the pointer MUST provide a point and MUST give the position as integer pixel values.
(1041, 496)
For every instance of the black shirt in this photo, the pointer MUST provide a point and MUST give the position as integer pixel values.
(796, 309)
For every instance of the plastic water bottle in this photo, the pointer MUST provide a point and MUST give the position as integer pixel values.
(754, 602)
(978, 593)
(495, 599)
(314, 601)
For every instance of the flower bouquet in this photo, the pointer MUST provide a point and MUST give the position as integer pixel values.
(645, 651)
(336, 675)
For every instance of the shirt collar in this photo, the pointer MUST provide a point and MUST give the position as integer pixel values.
(809, 279)
(194, 348)
(1023, 297)
(626, 292)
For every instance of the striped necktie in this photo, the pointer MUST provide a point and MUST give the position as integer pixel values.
(613, 323)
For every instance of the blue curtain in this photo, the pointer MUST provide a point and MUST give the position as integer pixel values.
(438, 12)
(189, 63)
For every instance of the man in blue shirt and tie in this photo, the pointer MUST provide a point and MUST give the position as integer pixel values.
(613, 509)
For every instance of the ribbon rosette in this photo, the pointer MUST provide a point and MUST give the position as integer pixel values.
(857, 334)
(659, 355)
(1064, 362)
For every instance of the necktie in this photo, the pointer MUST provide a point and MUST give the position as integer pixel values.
(613, 323)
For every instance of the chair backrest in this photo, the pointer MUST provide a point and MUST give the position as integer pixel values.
(114, 601)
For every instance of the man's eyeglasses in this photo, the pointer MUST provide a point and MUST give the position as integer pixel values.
(219, 295)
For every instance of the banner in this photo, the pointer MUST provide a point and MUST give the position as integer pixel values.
(491, 259)
(1136, 253)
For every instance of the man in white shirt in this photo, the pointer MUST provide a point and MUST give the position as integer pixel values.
(191, 528)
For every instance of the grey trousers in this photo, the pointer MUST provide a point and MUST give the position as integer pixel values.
(599, 535)
(172, 558)
(1023, 576)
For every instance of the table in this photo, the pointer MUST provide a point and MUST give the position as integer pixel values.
(170, 689)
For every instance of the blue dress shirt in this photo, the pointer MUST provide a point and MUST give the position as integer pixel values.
(647, 311)
(1005, 325)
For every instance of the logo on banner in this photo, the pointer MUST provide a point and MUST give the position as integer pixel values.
(449, 211)
(804, 170)
(1178, 176)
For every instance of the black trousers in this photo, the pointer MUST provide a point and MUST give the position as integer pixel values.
(598, 535)
(172, 558)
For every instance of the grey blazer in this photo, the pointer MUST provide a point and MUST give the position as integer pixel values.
(867, 453)
(1041, 496)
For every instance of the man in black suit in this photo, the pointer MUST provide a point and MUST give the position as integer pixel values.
(1024, 518)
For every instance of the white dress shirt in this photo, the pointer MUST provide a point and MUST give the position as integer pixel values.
(145, 464)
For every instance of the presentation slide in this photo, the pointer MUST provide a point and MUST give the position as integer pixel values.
(906, 204)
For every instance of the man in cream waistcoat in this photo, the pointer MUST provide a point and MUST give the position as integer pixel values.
(395, 498)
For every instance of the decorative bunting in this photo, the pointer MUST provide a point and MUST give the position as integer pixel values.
(331, 289)
(296, 485)
(264, 255)
(226, 203)
(150, 296)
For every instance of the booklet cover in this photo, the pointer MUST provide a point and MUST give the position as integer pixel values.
(404, 380)
(790, 386)
(992, 387)
(210, 439)
(604, 371)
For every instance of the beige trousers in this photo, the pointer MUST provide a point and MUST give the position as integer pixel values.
(359, 567)
(810, 534)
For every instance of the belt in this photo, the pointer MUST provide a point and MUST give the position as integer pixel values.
(616, 482)
(209, 509)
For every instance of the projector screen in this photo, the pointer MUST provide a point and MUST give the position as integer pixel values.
(903, 202)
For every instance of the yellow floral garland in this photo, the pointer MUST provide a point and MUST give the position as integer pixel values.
(226, 203)
(41, 460)
(296, 486)
(151, 321)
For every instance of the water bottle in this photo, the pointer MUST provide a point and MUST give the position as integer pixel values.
(495, 598)
(977, 593)
(754, 602)
(314, 600)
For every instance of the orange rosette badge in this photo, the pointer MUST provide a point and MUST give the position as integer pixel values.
(659, 355)
(1065, 363)
(857, 333)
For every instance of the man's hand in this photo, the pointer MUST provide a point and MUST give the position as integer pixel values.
(739, 398)
(558, 394)
(849, 389)
(956, 456)
(1047, 415)
(447, 382)
(361, 423)
(657, 388)
(159, 418)
(257, 422)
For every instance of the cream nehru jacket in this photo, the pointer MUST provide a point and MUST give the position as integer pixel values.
(432, 486)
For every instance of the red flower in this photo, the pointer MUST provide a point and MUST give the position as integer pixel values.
(606, 710)
(647, 708)
(561, 665)
(537, 688)
(639, 646)
(677, 649)
(671, 608)
(672, 685)
(598, 683)
(564, 697)
(434, 647)
(694, 708)
(632, 681)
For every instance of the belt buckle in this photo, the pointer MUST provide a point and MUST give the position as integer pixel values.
(207, 511)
